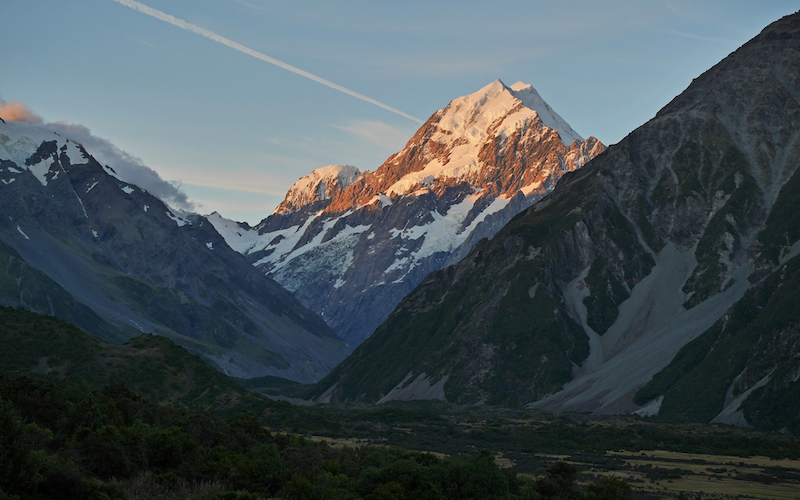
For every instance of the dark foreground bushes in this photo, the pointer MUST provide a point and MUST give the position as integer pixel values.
(60, 440)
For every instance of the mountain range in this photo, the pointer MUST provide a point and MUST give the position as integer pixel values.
(499, 258)
(661, 278)
(351, 244)
(81, 243)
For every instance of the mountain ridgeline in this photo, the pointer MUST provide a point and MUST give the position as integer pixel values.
(661, 278)
(351, 244)
(80, 243)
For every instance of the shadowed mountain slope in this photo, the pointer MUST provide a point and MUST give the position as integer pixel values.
(79, 242)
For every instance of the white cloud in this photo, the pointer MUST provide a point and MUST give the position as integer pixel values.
(127, 166)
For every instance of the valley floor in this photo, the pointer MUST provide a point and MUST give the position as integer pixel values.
(658, 460)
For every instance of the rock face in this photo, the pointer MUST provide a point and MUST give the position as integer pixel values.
(658, 278)
(350, 244)
(78, 242)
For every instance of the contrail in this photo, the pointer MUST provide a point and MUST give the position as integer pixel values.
(258, 55)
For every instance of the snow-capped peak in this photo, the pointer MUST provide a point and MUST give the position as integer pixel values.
(472, 117)
(19, 142)
(473, 123)
(531, 99)
(321, 184)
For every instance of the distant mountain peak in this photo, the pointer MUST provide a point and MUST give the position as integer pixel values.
(499, 108)
(321, 184)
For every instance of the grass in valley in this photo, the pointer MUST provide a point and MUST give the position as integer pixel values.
(658, 460)
(666, 473)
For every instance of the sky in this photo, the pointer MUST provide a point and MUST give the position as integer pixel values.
(225, 104)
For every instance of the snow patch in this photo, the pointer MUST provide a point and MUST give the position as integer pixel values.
(22, 232)
(531, 99)
(237, 237)
(40, 169)
(382, 198)
(178, 220)
(82, 207)
(397, 264)
(445, 233)
(127, 189)
(110, 171)
(75, 154)
(531, 188)
(92, 186)
(19, 141)
(210, 245)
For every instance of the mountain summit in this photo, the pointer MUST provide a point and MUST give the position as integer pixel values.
(322, 184)
(352, 244)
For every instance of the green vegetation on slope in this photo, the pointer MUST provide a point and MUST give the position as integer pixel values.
(527, 322)
(783, 224)
(728, 176)
(61, 439)
(152, 366)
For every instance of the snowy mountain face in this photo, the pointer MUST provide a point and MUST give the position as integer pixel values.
(350, 244)
(322, 184)
(79, 242)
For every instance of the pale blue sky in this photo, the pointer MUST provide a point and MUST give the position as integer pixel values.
(237, 131)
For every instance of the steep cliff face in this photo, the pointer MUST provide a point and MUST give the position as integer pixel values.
(583, 298)
(352, 246)
(83, 244)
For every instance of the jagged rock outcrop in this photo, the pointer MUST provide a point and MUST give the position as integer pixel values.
(657, 279)
(351, 247)
(79, 242)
